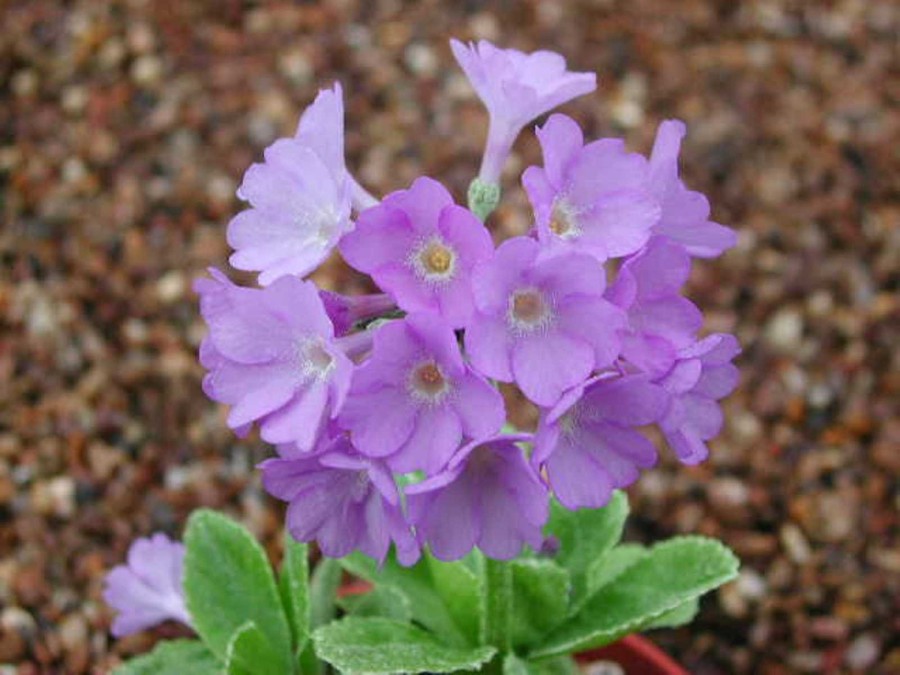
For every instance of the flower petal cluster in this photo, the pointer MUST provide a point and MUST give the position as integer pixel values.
(542, 320)
(702, 375)
(300, 197)
(587, 443)
(685, 213)
(421, 248)
(385, 408)
(593, 198)
(342, 500)
(488, 496)
(415, 399)
(271, 355)
(516, 88)
(148, 589)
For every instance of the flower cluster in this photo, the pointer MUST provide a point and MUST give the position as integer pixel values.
(384, 409)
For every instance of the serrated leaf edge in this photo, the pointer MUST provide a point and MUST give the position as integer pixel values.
(317, 639)
(596, 639)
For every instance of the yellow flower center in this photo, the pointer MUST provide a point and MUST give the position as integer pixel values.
(437, 258)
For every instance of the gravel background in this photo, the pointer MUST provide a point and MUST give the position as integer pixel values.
(125, 127)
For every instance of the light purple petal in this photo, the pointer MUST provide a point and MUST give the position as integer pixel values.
(561, 140)
(379, 422)
(489, 346)
(479, 406)
(546, 365)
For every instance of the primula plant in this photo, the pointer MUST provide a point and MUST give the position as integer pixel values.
(482, 547)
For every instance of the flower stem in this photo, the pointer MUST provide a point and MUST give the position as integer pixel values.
(498, 609)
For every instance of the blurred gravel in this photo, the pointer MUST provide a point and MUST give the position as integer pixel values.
(125, 128)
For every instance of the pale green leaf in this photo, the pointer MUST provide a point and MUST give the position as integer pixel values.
(585, 535)
(540, 599)
(383, 601)
(293, 583)
(228, 582)
(249, 653)
(417, 584)
(606, 568)
(460, 589)
(681, 615)
(186, 657)
(561, 665)
(673, 573)
(376, 645)
(323, 587)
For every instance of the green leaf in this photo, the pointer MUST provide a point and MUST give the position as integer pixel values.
(187, 657)
(681, 615)
(585, 535)
(293, 583)
(615, 562)
(323, 587)
(562, 665)
(249, 653)
(513, 665)
(228, 582)
(383, 601)
(540, 599)
(418, 585)
(460, 589)
(674, 572)
(375, 645)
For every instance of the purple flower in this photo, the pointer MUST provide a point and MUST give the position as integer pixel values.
(346, 310)
(660, 320)
(516, 88)
(488, 496)
(300, 197)
(587, 443)
(343, 501)
(685, 213)
(421, 247)
(593, 198)
(148, 590)
(271, 355)
(702, 375)
(414, 399)
(541, 320)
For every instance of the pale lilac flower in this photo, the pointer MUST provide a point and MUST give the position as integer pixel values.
(593, 198)
(685, 213)
(488, 496)
(421, 248)
(414, 399)
(300, 197)
(702, 375)
(345, 311)
(148, 589)
(660, 320)
(271, 355)
(541, 320)
(342, 500)
(516, 88)
(587, 444)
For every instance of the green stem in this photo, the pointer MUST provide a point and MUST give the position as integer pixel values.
(498, 609)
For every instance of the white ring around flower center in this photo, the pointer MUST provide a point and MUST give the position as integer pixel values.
(434, 261)
(563, 222)
(528, 310)
(427, 383)
(315, 361)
